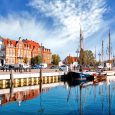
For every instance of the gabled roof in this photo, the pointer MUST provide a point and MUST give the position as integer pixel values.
(31, 43)
(6, 41)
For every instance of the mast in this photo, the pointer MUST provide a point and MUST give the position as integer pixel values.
(81, 49)
(102, 53)
(81, 39)
(109, 46)
(95, 52)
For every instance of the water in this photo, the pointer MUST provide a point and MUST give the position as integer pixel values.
(60, 99)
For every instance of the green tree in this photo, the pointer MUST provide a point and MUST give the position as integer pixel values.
(39, 59)
(33, 61)
(25, 60)
(36, 60)
(89, 58)
(55, 59)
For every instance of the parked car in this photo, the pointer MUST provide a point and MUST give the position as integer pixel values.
(6, 67)
(43, 65)
(54, 67)
(64, 68)
(25, 66)
(36, 67)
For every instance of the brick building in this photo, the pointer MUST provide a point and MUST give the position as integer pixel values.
(16, 51)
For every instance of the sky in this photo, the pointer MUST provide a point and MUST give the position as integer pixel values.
(56, 23)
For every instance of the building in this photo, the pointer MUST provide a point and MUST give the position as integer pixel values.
(46, 55)
(2, 52)
(16, 51)
(70, 60)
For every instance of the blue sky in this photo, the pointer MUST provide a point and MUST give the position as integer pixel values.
(56, 23)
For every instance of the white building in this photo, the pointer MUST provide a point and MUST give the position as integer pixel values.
(2, 52)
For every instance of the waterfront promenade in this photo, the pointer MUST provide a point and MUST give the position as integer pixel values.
(29, 74)
(32, 71)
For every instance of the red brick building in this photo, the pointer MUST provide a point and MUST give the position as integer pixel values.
(16, 51)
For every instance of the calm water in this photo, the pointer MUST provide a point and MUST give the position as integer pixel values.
(60, 99)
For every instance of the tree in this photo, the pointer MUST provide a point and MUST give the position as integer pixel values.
(39, 59)
(36, 60)
(55, 59)
(89, 58)
(25, 60)
(70, 61)
(33, 61)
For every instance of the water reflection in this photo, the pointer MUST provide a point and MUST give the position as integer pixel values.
(24, 93)
(101, 91)
(58, 97)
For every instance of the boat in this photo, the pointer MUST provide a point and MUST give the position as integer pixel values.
(109, 73)
(80, 76)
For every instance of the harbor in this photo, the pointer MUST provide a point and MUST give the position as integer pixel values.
(77, 96)
(57, 57)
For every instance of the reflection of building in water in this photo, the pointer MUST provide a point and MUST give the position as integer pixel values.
(29, 81)
(24, 93)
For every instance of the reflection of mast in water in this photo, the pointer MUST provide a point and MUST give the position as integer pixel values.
(81, 101)
(102, 99)
(69, 94)
(41, 109)
(94, 93)
(109, 105)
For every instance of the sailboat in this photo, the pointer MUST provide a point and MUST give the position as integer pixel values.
(80, 75)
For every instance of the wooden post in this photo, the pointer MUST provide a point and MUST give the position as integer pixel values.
(11, 77)
(40, 79)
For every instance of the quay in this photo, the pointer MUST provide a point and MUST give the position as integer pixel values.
(33, 73)
(29, 78)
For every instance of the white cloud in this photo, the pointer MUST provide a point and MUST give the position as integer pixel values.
(72, 12)
(15, 26)
(67, 16)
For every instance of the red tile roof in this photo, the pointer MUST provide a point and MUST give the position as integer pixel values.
(31, 44)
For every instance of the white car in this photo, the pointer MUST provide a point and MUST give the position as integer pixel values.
(43, 65)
